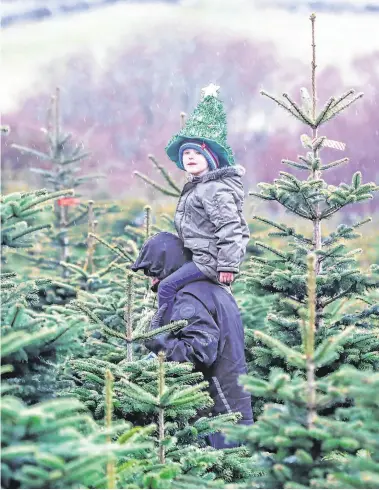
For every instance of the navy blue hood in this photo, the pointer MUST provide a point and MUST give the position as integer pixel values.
(161, 255)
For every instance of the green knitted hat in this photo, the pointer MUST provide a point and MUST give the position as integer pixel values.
(207, 123)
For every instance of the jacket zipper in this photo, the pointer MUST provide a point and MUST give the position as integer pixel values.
(221, 394)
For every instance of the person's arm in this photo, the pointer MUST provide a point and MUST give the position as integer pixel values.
(222, 211)
(197, 342)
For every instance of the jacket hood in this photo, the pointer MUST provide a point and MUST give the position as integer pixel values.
(161, 255)
(219, 173)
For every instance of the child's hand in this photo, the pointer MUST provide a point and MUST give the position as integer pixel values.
(226, 277)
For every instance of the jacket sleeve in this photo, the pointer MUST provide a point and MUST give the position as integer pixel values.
(197, 342)
(221, 208)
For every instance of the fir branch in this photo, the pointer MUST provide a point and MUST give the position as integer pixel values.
(76, 158)
(266, 221)
(294, 210)
(52, 195)
(343, 231)
(342, 97)
(330, 253)
(165, 174)
(354, 318)
(74, 268)
(31, 229)
(262, 196)
(116, 250)
(178, 324)
(328, 350)
(12, 342)
(339, 108)
(167, 192)
(175, 396)
(134, 391)
(327, 213)
(62, 285)
(328, 105)
(343, 293)
(293, 357)
(41, 171)
(281, 104)
(83, 309)
(114, 333)
(334, 164)
(305, 160)
(24, 149)
(303, 117)
(270, 249)
(295, 164)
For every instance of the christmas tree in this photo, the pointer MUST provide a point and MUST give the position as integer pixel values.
(68, 240)
(177, 401)
(56, 443)
(301, 433)
(49, 338)
(339, 278)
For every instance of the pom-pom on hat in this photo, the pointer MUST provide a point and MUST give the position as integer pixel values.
(210, 157)
(207, 124)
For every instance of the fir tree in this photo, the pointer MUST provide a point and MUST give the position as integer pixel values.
(169, 395)
(65, 242)
(339, 278)
(49, 337)
(56, 443)
(302, 431)
(292, 437)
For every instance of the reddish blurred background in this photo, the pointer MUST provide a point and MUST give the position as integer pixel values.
(126, 71)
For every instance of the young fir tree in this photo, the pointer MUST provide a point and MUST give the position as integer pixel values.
(117, 324)
(339, 278)
(56, 443)
(291, 438)
(51, 337)
(293, 435)
(66, 241)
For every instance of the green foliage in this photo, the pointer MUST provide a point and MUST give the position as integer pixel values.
(33, 342)
(55, 443)
(322, 323)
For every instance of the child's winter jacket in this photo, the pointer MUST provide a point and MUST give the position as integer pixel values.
(210, 222)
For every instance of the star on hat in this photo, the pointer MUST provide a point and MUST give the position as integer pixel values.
(211, 89)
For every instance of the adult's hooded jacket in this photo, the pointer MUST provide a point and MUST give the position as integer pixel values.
(213, 340)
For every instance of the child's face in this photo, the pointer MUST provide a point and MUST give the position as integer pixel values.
(194, 162)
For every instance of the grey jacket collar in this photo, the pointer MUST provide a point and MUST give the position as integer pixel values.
(219, 173)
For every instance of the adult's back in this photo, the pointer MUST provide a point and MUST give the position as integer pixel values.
(213, 340)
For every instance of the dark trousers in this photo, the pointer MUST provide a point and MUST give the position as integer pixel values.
(169, 286)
